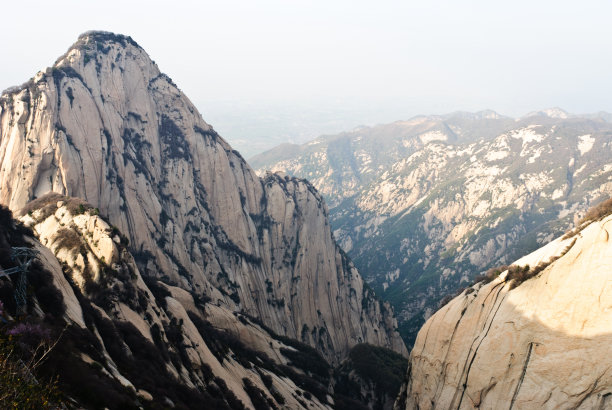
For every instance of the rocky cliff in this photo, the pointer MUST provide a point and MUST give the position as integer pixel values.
(119, 340)
(105, 125)
(521, 342)
(428, 203)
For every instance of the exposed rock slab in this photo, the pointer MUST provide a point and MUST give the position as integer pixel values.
(105, 125)
(544, 344)
(73, 233)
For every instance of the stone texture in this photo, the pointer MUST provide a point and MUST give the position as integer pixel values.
(105, 125)
(422, 206)
(542, 345)
(118, 292)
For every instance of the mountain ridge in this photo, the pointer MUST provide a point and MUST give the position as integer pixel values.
(421, 210)
(106, 125)
(127, 341)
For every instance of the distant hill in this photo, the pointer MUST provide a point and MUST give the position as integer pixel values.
(424, 205)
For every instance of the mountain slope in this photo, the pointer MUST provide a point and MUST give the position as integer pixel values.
(104, 124)
(539, 343)
(341, 165)
(422, 211)
(125, 342)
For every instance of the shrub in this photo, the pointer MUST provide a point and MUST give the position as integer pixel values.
(518, 274)
(594, 214)
(69, 239)
(445, 301)
(18, 387)
(381, 366)
(259, 399)
(267, 380)
(49, 297)
(278, 397)
(490, 274)
(598, 212)
(159, 291)
(309, 360)
(48, 199)
(221, 342)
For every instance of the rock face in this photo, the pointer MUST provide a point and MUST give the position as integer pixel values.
(127, 343)
(428, 203)
(105, 125)
(542, 344)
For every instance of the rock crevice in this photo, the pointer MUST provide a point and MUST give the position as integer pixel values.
(105, 125)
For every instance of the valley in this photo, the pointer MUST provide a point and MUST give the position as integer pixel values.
(448, 261)
(423, 206)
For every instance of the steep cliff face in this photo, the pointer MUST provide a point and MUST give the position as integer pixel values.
(431, 202)
(126, 343)
(540, 343)
(104, 124)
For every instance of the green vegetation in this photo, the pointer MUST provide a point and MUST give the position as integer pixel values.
(314, 375)
(19, 388)
(176, 145)
(418, 240)
(383, 367)
(26, 342)
(259, 399)
(491, 274)
(517, 274)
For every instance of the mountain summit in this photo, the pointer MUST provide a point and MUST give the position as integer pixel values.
(105, 125)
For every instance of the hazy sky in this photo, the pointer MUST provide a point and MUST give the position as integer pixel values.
(426, 56)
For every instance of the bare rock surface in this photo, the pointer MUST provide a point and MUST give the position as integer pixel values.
(422, 206)
(204, 348)
(105, 125)
(540, 344)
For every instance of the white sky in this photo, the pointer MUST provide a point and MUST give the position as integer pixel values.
(432, 56)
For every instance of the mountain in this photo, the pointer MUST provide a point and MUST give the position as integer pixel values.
(106, 126)
(554, 112)
(422, 206)
(340, 165)
(120, 340)
(535, 337)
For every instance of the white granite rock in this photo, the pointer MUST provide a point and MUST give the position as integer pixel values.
(105, 125)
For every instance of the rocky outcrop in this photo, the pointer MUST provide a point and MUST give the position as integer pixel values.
(423, 205)
(105, 125)
(541, 343)
(113, 322)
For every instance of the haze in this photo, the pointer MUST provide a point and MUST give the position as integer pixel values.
(293, 69)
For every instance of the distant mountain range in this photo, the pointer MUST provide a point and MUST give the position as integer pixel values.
(533, 335)
(424, 205)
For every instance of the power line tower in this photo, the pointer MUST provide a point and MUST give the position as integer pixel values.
(24, 257)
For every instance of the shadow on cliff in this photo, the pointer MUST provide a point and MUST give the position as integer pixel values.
(544, 343)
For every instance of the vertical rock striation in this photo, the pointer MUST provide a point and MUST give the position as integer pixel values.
(105, 125)
(543, 343)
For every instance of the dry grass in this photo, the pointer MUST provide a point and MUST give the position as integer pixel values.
(48, 204)
(594, 214)
(598, 212)
(490, 274)
(69, 239)
(46, 200)
(519, 274)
